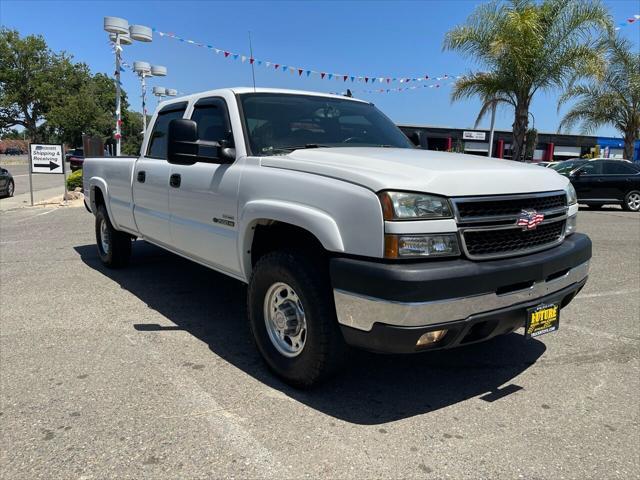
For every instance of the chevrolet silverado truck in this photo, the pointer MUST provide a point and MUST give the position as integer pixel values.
(346, 234)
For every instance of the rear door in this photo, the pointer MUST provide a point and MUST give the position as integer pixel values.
(203, 195)
(151, 180)
(618, 178)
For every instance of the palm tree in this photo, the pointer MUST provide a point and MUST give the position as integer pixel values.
(526, 46)
(611, 98)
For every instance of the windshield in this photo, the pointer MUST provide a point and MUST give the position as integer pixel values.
(567, 167)
(280, 123)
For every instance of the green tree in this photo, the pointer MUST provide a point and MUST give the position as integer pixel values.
(524, 47)
(131, 133)
(611, 98)
(90, 110)
(32, 79)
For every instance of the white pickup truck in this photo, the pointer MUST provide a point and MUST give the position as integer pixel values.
(344, 231)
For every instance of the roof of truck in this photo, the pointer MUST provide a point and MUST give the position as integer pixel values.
(240, 90)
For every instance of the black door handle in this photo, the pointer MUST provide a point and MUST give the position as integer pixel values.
(142, 176)
(174, 180)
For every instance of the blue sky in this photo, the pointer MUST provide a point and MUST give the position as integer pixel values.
(360, 38)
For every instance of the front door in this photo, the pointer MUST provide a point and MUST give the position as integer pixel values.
(151, 180)
(588, 181)
(203, 196)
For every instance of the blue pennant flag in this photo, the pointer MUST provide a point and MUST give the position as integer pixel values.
(308, 72)
(235, 56)
(284, 68)
(353, 79)
(330, 75)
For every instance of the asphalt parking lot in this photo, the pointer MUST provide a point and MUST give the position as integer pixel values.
(149, 372)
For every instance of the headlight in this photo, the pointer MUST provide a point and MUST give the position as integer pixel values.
(413, 206)
(407, 246)
(572, 196)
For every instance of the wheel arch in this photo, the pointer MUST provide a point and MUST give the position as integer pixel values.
(310, 225)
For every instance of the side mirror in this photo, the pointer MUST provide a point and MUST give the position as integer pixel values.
(576, 173)
(182, 141)
(184, 147)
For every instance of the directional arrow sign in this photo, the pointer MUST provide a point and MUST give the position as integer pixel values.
(50, 166)
(46, 158)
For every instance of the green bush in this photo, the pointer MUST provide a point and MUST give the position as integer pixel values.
(74, 180)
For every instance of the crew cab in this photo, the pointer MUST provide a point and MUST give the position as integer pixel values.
(346, 234)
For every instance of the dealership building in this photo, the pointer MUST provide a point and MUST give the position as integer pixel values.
(550, 146)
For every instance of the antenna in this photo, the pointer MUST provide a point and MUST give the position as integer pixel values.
(252, 61)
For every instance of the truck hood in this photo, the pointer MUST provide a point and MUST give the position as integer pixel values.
(442, 173)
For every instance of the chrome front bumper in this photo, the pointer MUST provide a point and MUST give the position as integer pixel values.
(362, 312)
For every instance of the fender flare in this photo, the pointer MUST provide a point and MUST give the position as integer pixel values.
(99, 183)
(317, 222)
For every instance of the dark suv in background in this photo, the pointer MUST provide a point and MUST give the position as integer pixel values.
(604, 182)
(75, 158)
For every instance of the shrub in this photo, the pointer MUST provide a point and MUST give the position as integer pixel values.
(74, 180)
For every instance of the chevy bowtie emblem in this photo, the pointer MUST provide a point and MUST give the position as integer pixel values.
(529, 219)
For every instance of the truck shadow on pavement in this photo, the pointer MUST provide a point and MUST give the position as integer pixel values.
(373, 389)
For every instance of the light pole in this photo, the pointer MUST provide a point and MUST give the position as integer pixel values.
(122, 34)
(144, 70)
(160, 92)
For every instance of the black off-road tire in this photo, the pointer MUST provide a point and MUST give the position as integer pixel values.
(630, 201)
(324, 349)
(118, 250)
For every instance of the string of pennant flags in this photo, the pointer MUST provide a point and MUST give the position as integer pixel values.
(628, 21)
(408, 83)
(303, 71)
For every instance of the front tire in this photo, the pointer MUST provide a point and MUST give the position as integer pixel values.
(632, 201)
(292, 318)
(114, 247)
(11, 188)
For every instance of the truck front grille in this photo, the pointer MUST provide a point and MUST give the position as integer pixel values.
(488, 225)
(486, 209)
(512, 240)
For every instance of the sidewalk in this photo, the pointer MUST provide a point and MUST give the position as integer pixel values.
(23, 200)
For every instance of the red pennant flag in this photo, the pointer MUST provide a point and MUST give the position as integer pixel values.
(276, 66)
(251, 60)
(322, 74)
(388, 80)
(366, 79)
(345, 77)
(226, 54)
(299, 72)
(426, 77)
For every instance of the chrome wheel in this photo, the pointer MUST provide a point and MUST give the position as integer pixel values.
(633, 201)
(10, 189)
(104, 237)
(285, 320)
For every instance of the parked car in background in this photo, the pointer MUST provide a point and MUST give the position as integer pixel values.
(601, 182)
(13, 151)
(546, 164)
(7, 185)
(75, 158)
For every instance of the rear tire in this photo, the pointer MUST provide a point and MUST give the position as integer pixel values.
(11, 188)
(632, 201)
(114, 247)
(288, 292)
